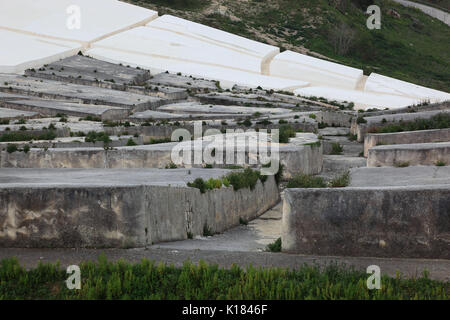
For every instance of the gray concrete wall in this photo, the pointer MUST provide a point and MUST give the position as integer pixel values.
(336, 118)
(407, 137)
(374, 222)
(307, 159)
(128, 216)
(409, 154)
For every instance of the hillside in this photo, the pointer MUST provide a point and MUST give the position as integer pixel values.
(412, 46)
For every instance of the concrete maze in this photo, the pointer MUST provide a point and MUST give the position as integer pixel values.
(95, 155)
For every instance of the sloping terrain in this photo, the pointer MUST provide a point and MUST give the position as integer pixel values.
(410, 46)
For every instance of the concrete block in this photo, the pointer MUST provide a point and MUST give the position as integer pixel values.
(409, 154)
(27, 51)
(400, 222)
(54, 107)
(119, 208)
(318, 72)
(405, 137)
(227, 77)
(55, 19)
(386, 85)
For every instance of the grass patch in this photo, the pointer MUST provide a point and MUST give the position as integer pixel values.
(401, 164)
(274, 246)
(147, 280)
(340, 181)
(439, 121)
(440, 163)
(306, 181)
(336, 148)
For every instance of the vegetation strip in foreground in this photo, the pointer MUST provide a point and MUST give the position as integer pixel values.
(146, 280)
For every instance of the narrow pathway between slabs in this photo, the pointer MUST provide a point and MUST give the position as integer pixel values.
(253, 237)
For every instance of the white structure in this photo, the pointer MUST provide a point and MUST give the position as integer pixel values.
(318, 72)
(386, 85)
(362, 100)
(37, 32)
(58, 18)
(22, 51)
(227, 77)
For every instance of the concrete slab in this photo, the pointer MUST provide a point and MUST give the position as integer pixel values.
(28, 51)
(110, 208)
(54, 107)
(318, 72)
(78, 93)
(58, 19)
(195, 107)
(9, 114)
(362, 100)
(104, 177)
(405, 137)
(210, 37)
(227, 77)
(386, 85)
(175, 80)
(409, 154)
(389, 176)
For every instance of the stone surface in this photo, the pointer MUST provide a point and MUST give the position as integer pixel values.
(409, 154)
(9, 114)
(74, 92)
(405, 137)
(54, 107)
(410, 176)
(119, 208)
(372, 221)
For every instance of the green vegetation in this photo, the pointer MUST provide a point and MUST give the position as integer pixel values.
(156, 141)
(94, 136)
(439, 121)
(11, 148)
(286, 132)
(310, 181)
(306, 181)
(239, 180)
(171, 165)
(274, 246)
(401, 164)
(131, 142)
(243, 221)
(23, 136)
(336, 148)
(360, 120)
(146, 280)
(340, 181)
(440, 163)
(207, 231)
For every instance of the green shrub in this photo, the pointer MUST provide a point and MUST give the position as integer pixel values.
(438, 121)
(171, 165)
(26, 148)
(275, 246)
(340, 181)
(207, 231)
(360, 120)
(336, 148)
(198, 183)
(401, 164)
(440, 163)
(11, 148)
(131, 143)
(306, 181)
(312, 116)
(286, 132)
(243, 221)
